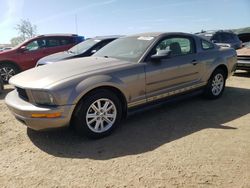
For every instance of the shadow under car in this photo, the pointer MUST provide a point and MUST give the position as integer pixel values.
(150, 129)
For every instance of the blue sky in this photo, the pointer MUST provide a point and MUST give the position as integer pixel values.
(105, 17)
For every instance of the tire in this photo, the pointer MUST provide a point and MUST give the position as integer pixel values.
(94, 122)
(216, 84)
(1, 85)
(7, 70)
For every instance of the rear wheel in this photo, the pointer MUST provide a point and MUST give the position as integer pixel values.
(216, 84)
(98, 114)
(7, 70)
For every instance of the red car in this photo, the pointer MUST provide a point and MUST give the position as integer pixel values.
(26, 55)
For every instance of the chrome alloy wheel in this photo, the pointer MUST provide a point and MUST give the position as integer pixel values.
(6, 73)
(217, 84)
(101, 115)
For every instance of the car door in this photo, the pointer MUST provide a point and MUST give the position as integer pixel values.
(31, 52)
(181, 69)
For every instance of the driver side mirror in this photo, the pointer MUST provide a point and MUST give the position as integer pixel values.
(22, 49)
(162, 54)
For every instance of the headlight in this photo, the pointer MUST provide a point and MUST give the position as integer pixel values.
(43, 98)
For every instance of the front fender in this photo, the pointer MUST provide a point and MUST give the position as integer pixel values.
(94, 82)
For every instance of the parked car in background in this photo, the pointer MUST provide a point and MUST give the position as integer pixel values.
(83, 49)
(222, 38)
(5, 49)
(1, 85)
(94, 93)
(243, 55)
(25, 55)
(244, 37)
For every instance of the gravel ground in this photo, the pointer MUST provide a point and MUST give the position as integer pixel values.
(190, 143)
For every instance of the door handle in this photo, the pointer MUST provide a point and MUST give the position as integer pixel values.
(194, 62)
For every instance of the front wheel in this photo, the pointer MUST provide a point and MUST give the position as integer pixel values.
(1, 85)
(98, 114)
(216, 84)
(7, 70)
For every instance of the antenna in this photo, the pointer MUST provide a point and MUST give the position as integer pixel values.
(76, 24)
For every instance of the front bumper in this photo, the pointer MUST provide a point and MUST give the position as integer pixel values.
(23, 111)
(243, 64)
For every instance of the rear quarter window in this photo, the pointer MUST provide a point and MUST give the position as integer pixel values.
(206, 45)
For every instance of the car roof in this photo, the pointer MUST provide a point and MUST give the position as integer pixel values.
(157, 34)
(214, 32)
(107, 37)
(57, 35)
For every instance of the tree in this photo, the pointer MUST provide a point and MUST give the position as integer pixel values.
(26, 29)
(16, 40)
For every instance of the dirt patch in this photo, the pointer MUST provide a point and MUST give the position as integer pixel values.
(190, 143)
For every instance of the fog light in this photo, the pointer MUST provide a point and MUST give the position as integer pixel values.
(52, 115)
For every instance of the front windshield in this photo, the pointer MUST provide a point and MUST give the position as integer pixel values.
(83, 46)
(21, 44)
(127, 48)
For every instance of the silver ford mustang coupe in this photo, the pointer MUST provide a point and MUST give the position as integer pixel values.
(93, 94)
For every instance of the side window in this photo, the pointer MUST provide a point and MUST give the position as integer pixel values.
(206, 45)
(35, 45)
(52, 42)
(66, 41)
(177, 45)
(216, 38)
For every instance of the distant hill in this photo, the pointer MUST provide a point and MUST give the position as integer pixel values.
(242, 30)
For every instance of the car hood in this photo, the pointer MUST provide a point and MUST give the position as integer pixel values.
(55, 57)
(243, 52)
(44, 76)
(7, 52)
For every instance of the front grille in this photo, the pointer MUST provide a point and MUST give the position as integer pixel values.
(243, 57)
(22, 93)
